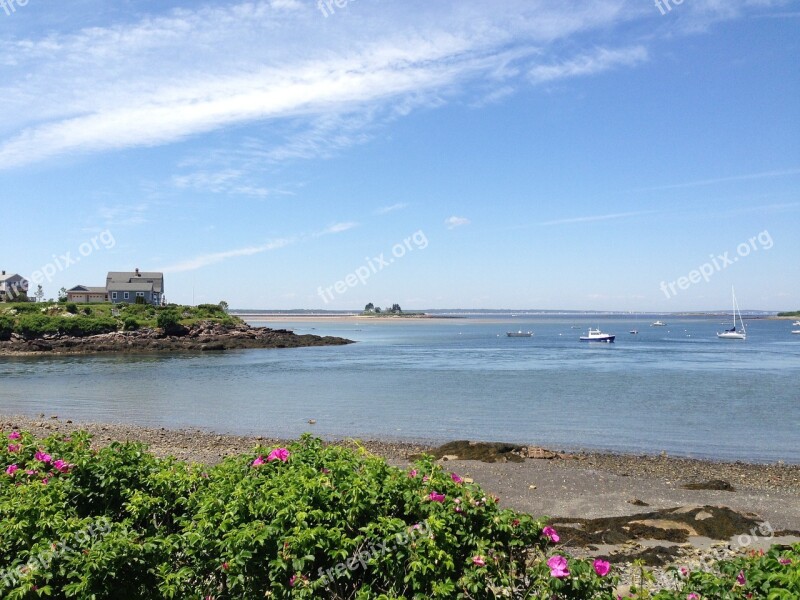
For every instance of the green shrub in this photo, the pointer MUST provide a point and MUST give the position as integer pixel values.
(30, 307)
(71, 308)
(774, 575)
(87, 311)
(130, 324)
(86, 326)
(6, 328)
(169, 321)
(31, 326)
(209, 311)
(314, 522)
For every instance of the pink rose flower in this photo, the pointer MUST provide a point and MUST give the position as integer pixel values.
(785, 561)
(412, 473)
(478, 561)
(258, 462)
(11, 470)
(558, 566)
(436, 497)
(62, 466)
(281, 454)
(693, 596)
(43, 457)
(740, 578)
(14, 435)
(601, 567)
(550, 534)
(12, 448)
(456, 478)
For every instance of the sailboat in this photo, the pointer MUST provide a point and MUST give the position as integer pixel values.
(733, 334)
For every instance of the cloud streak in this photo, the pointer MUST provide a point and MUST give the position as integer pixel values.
(193, 71)
(205, 260)
(455, 222)
(592, 218)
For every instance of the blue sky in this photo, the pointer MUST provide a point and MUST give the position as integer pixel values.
(516, 154)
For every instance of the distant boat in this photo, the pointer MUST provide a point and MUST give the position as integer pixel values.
(633, 332)
(796, 324)
(796, 331)
(519, 333)
(595, 335)
(658, 324)
(733, 334)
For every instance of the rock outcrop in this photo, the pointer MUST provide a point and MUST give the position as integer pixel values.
(204, 336)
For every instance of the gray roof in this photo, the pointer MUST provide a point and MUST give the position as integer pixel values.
(138, 286)
(87, 288)
(8, 276)
(115, 278)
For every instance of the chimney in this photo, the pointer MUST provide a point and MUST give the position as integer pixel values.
(4, 272)
(137, 272)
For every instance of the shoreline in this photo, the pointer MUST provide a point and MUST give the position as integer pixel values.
(624, 507)
(203, 336)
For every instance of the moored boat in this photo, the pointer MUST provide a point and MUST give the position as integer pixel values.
(658, 324)
(733, 334)
(595, 335)
(519, 333)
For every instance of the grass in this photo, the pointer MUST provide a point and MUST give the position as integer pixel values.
(34, 320)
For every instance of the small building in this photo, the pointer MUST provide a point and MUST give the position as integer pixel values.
(126, 286)
(84, 294)
(11, 286)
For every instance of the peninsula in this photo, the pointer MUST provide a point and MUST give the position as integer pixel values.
(70, 328)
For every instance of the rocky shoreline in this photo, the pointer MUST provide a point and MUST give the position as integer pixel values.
(203, 336)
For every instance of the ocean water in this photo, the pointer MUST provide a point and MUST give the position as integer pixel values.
(676, 389)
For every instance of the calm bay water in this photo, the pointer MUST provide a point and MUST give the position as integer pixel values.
(675, 388)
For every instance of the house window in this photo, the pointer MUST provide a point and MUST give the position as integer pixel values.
(140, 294)
(127, 295)
(113, 295)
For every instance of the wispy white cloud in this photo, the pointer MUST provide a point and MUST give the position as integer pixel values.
(204, 260)
(313, 88)
(338, 228)
(392, 208)
(589, 219)
(714, 181)
(123, 215)
(598, 61)
(226, 181)
(453, 222)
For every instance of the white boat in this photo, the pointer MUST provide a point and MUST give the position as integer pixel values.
(796, 324)
(595, 335)
(633, 332)
(796, 331)
(519, 333)
(658, 324)
(733, 334)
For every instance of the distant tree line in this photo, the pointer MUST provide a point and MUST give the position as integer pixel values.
(394, 310)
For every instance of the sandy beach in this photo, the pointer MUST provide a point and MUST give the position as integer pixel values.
(620, 506)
